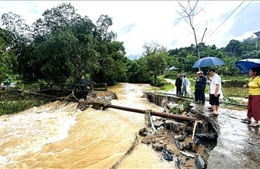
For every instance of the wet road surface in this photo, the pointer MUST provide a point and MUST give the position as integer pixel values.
(238, 144)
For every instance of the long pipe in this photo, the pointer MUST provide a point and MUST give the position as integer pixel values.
(166, 115)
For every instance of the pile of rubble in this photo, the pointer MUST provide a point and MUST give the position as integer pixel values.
(186, 143)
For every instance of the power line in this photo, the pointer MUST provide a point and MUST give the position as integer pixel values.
(241, 11)
(226, 19)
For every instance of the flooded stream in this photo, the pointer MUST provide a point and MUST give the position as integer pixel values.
(58, 135)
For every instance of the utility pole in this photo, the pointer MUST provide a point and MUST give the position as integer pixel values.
(201, 42)
(203, 35)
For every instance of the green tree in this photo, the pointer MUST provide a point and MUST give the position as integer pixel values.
(64, 45)
(19, 32)
(229, 67)
(7, 56)
(156, 56)
(113, 64)
(138, 71)
(189, 61)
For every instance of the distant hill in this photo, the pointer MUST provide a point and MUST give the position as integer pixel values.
(134, 57)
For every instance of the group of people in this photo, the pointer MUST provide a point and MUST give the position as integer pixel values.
(214, 80)
(182, 85)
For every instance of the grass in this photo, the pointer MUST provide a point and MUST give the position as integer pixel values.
(12, 107)
(167, 87)
(12, 102)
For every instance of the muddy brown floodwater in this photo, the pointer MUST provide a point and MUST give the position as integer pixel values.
(58, 135)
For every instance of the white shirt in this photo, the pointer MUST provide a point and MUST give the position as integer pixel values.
(216, 79)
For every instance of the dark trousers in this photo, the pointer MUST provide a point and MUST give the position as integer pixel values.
(178, 90)
(214, 101)
(200, 95)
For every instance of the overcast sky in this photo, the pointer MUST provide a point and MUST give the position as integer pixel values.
(138, 22)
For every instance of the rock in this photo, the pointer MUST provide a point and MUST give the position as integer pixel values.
(167, 154)
(179, 137)
(143, 132)
(179, 129)
(187, 154)
(161, 128)
(157, 146)
(169, 125)
(187, 146)
(177, 143)
(188, 129)
(149, 139)
(210, 136)
(200, 163)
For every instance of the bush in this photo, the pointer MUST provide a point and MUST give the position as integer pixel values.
(160, 82)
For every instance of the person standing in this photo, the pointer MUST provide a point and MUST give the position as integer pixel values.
(200, 86)
(83, 83)
(253, 105)
(215, 91)
(8, 81)
(185, 86)
(178, 84)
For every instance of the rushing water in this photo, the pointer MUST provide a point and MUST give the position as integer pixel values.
(58, 135)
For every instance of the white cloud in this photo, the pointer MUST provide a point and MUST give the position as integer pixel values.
(147, 20)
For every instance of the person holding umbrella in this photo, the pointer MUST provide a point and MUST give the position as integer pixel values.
(253, 106)
(215, 91)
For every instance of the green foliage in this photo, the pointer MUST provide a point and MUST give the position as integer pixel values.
(138, 71)
(230, 100)
(184, 58)
(11, 107)
(167, 87)
(181, 107)
(64, 46)
(160, 83)
(7, 57)
(170, 74)
(156, 57)
(12, 102)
